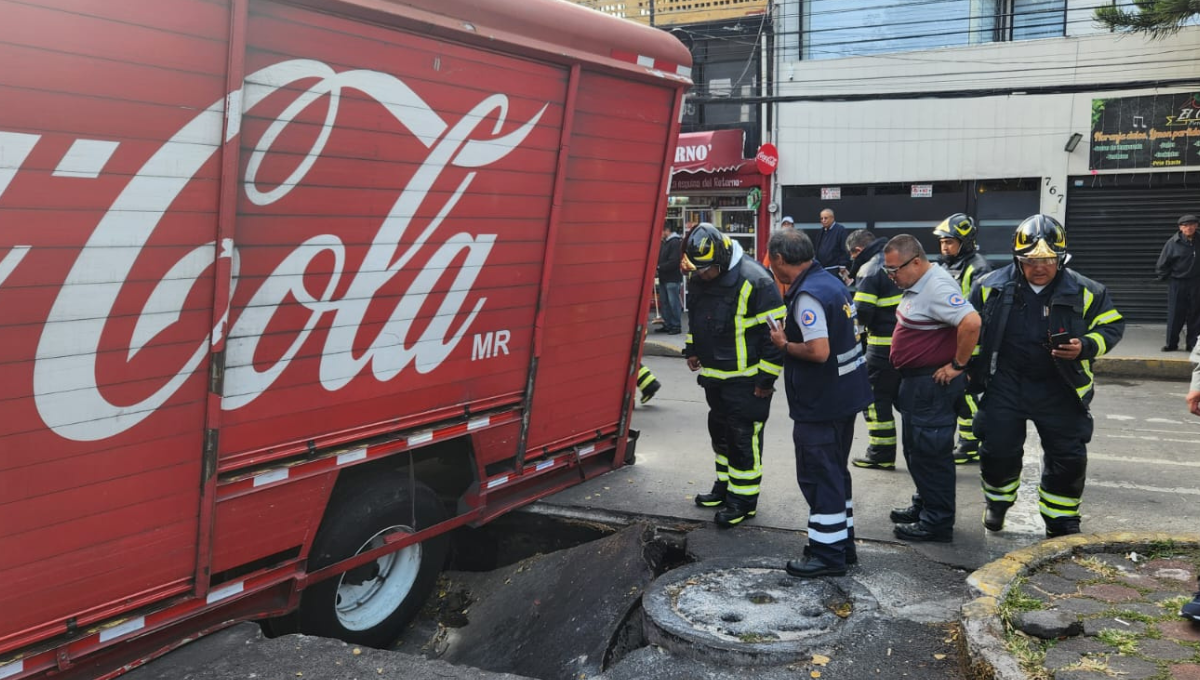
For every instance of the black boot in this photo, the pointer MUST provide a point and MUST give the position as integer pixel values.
(966, 452)
(908, 515)
(1062, 527)
(713, 498)
(650, 390)
(877, 459)
(737, 510)
(851, 553)
(993, 516)
(812, 567)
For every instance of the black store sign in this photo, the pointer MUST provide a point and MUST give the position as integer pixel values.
(1160, 131)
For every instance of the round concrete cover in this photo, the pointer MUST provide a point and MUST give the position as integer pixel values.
(750, 611)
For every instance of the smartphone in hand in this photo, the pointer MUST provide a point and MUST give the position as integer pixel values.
(1058, 339)
(773, 323)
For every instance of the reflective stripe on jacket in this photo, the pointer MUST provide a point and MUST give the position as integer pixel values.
(727, 320)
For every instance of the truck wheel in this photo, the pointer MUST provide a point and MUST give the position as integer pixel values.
(370, 604)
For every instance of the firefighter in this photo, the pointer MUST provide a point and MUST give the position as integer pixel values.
(1043, 324)
(826, 378)
(647, 383)
(960, 256)
(875, 300)
(730, 299)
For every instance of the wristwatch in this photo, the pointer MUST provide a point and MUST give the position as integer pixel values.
(957, 366)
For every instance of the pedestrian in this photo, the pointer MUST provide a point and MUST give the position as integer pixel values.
(1191, 610)
(647, 384)
(936, 331)
(830, 243)
(786, 223)
(960, 256)
(730, 299)
(1043, 324)
(670, 280)
(1178, 267)
(825, 376)
(875, 300)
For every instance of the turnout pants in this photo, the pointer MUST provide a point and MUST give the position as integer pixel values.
(1183, 308)
(966, 407)
(822, 457)
(735, 423)
(1065, 428)
(929, 420)
(881, 422)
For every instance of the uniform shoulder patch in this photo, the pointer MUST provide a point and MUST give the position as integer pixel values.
(808, 317)
(956, 300)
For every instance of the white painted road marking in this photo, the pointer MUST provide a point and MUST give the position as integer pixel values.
(1142, 487)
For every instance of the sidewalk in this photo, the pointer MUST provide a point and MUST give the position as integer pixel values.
(1137, 356)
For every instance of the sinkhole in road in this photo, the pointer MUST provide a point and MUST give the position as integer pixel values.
(550, 598)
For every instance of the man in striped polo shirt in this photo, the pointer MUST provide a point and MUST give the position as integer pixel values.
(936, 331)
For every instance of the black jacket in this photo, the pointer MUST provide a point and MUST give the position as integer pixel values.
(1177, 260)
(876, 296)
(728, 328)
(830, 246)
(1078, 305)
(967, 268)
(668, 259)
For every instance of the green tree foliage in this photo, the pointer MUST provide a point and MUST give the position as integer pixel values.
(1157, 18)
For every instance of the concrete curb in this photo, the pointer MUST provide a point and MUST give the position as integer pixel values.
(983, 631)
(1136, 368)
(1143, 368)
(658, 348)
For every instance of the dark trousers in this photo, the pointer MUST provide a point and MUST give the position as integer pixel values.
(822, 457)
(881, 421)
(1183, 308)
(670, 305)
(929, 419)
(1064, 427)
(735, 423)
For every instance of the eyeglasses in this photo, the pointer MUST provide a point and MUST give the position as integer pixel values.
(891, 271)
(1040, 262)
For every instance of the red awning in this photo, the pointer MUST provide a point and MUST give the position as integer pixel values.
(714, 151)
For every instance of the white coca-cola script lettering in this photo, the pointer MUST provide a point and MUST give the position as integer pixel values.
(65, 387)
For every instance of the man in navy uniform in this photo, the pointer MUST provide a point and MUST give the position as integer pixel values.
(825, 374)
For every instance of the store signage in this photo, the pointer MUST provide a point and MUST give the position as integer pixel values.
(767, 159)
(831, 193)
(713, 151)
(1159, 131)
(718, 181)
(921, 191)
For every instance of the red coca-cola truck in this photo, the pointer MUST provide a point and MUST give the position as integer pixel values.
(290, 289)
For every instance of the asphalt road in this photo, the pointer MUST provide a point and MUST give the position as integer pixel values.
(1144, 471)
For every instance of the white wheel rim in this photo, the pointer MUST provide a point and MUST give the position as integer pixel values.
(366, 605)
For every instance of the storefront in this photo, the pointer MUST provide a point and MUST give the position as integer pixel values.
(711, 182)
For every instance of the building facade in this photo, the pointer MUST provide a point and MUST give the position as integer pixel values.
(896, 114)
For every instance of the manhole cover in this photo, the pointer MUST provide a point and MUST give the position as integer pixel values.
(750, 612)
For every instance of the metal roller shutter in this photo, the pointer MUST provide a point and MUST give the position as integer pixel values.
(1116, 227)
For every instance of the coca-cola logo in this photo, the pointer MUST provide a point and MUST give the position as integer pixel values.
(66, 392)
(767, 159)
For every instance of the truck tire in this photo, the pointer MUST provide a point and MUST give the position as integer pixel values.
(370, 605)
